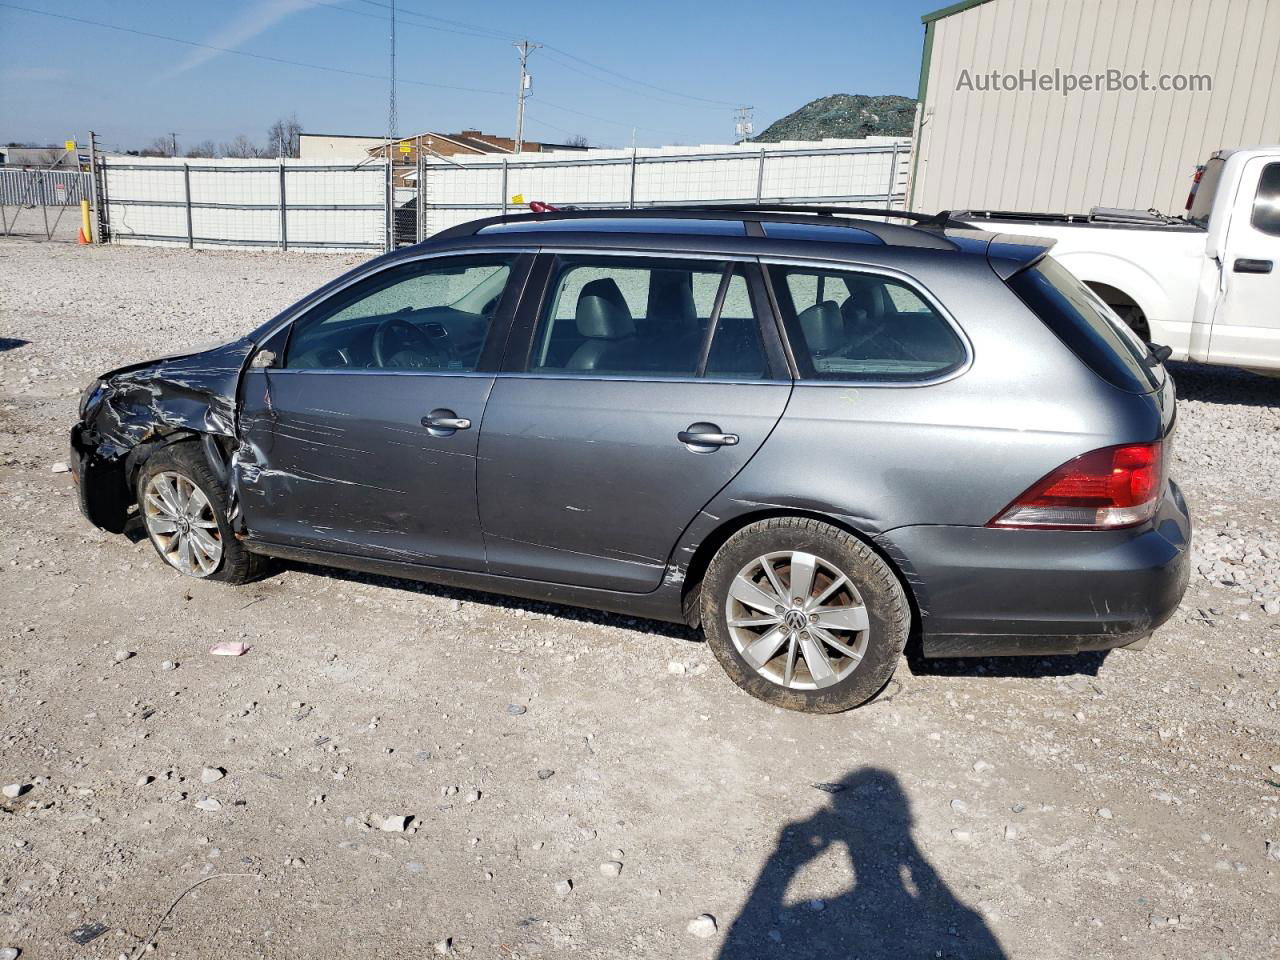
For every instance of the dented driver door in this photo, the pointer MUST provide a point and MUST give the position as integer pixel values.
(360, 438)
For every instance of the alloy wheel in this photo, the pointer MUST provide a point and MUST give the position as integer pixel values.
(181, 521)
(797, 620)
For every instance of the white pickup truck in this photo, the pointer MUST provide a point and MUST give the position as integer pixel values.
(1206, 285)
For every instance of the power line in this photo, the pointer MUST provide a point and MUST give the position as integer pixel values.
(475, 30)
(317, 66)
(643, 83)
(244, 53)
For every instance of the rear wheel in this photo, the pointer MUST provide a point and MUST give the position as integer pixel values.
(803, 615)
(182, 504)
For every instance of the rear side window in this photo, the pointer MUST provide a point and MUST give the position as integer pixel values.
(641, 317)
(1085, 324)
(1205, 191)
(849, 325)
(1266, 203)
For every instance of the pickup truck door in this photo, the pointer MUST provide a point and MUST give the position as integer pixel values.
(1246, 323)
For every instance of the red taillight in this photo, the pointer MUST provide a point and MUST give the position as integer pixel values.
(1101, 490)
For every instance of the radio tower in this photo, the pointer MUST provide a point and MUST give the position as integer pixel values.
(391, 106)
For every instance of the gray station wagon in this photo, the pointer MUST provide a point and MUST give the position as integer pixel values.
(818, 436)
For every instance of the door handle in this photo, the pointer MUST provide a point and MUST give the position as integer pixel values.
(1251, 266)
(443, 423)
(705, 437)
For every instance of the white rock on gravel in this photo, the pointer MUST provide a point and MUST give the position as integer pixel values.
(208, 804)
(10, 953)
(675, 667)
(473, 796)
(14, 790)
(611, 868)
(443, 947)
(394, 824)
(1105, 813)
(703, 925)
(120, 656)
(58, 467)
(564, 888)
(212, 774)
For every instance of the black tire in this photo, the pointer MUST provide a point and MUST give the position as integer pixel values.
(888, 611)
(237, 565)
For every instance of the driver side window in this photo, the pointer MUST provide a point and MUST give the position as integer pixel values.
(431, 315)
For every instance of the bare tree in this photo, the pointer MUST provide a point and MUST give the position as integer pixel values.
(282, 137)
(577, 140)
(241, 148)
(159, 147)
(205, 148)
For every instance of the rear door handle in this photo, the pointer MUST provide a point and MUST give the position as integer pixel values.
(443, 423)
(707, 436)
(1252, 266)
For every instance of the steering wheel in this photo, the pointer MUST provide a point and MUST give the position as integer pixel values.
(396, 336)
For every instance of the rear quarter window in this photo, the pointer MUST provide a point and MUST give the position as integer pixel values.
(1087, 326)
(847, 325)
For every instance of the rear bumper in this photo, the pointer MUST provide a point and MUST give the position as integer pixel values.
(985, 592)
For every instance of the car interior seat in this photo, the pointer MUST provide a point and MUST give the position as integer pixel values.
(603, 318)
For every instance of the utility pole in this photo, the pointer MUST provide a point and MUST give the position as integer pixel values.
(742, 123)
(525, 48)
(173, 139)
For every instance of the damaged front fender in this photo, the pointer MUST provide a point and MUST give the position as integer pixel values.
(140, 408)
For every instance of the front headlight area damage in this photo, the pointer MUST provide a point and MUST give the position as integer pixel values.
(128, 414)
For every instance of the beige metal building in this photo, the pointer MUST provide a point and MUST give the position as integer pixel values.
(1022, 139)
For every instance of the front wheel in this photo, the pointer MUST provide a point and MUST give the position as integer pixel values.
(803, 615)
(183, 507)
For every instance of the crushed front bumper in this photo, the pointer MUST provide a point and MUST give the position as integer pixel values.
(101, 486)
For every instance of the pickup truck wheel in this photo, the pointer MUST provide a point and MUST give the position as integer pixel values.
(803, 615)
(182, 504)
(1134, 319)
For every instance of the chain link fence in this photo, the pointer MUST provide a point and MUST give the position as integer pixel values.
(34, 202)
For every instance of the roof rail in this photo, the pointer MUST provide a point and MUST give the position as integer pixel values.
(739, 211)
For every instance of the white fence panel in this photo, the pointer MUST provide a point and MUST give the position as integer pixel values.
(237, 203)
(871, 172)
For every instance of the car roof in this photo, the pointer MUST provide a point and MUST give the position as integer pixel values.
(765, 229)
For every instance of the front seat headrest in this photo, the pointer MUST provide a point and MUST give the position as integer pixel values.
(822, 326)
(671, 308)
(602, 311)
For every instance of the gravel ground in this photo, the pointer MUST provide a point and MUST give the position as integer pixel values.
(577, 782)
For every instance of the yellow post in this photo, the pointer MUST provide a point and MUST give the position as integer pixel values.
(86, 232)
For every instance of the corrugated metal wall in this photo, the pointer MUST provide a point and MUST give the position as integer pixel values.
(1040, 150)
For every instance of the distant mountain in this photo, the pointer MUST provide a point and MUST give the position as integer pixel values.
(845, 115)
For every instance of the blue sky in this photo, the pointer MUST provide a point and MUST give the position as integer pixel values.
(60, 78)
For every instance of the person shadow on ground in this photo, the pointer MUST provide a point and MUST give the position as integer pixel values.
(897, 905)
